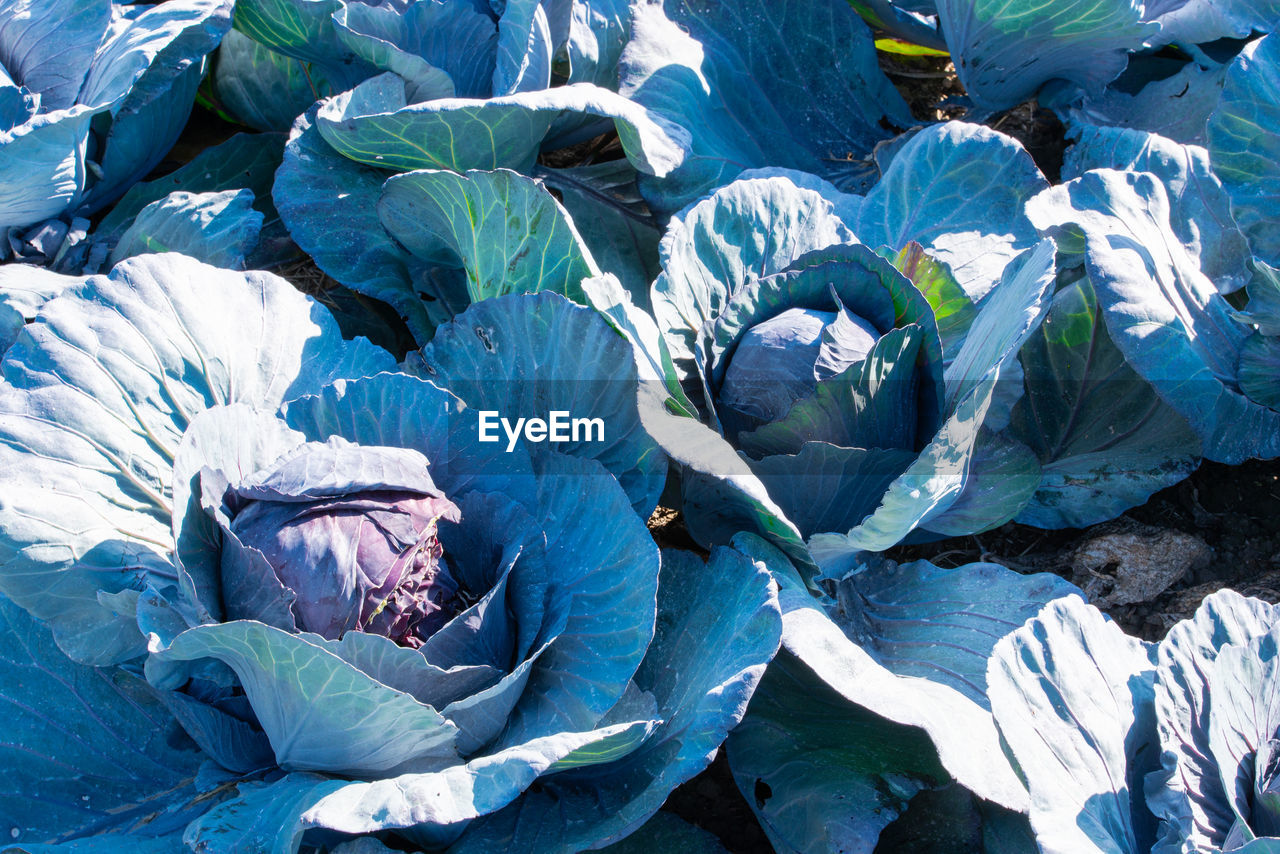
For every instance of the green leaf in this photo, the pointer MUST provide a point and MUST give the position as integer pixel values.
(319, 712)
(510, 234)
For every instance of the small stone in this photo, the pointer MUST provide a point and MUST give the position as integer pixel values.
(1135, 563)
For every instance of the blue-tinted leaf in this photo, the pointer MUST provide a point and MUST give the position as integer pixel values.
(584, 371)
(175, 34)
(958, 190)
(821, 773)
(1259, 371)
(870, 405)
(1163, 314)
(825, 487)
(1200, 21)
(1004, 51)
(1175, 106)
(217, 228)
(753, 227)
(42, 166)
(1244, 144)
(48, 47)
(910, 644)
(740, 77)
(98, 393)
(262, 88)
(1003, 476)
(510, 234)
(720, 494)
(1105, 440)
(149, 74)
(1244, 684)
(611, 220)
(85, 750)
(1072, 695)
(245, 161)
(381, 36)
(262, 817)
(374, 124)
(1199, 208)
(1005, 320)
(23, 290)
(329, 205)
(718, 626)
(1188, 792)
(303, 29)
(523, 62)
(436, 805)
(320, 713)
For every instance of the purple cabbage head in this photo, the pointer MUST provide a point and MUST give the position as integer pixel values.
(345, 538)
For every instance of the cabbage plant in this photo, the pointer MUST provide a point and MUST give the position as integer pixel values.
(825, 366)
(92, 95)
(304, 574)
(1163, 747)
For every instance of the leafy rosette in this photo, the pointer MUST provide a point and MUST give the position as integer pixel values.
(445, 86)
(363, 617)
(92, 96)
(823, 365)
(1164, 748)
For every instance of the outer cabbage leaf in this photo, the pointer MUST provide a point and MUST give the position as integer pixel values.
(86, 750)
(509, 233)
(585, 370)
(245, 161)
(727, 605)
(1005, 51)
(1175, 105)
(903, 652)
(98, 392)
(321, 713)
(958, 190)
(49, 46)
(1200, 21)
(220, 229)
(23, 290)
(1105, 440)
(822, 774)
(329, 204)
(304, 29)
(611, 220)
(262, 88)
(42, 166)
(1187, 792)
(941, 476)
(148, 73)
(740, 78)
(1072, 695)
(1244, 144)
(1199, 208)
(373, 124)
(1163, 313)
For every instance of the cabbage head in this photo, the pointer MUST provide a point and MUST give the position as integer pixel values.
(329, 596)
(825, 367)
